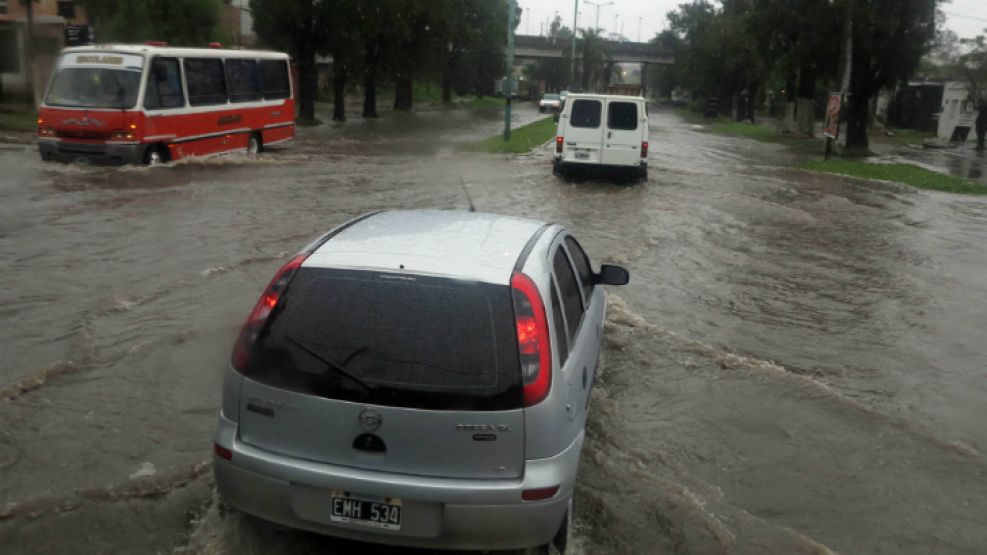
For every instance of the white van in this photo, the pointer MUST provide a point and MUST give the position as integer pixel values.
(585, 138)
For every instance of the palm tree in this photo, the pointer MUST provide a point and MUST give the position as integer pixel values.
(594, 52)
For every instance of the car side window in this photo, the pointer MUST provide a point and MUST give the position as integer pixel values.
(581, 262)
(559, 329)
(572, 302)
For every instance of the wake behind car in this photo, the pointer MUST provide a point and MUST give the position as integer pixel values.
(418, 378)
(550, 103)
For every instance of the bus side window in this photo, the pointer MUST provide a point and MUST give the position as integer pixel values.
(274, 79)
(206, 83)
(242, 80)
(164, 85)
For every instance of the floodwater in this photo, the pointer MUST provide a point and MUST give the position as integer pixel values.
(798, 364)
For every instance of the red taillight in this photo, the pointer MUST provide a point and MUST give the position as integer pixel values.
(222, 452)
(539, 494)
(156, 43)
(258, 316)
(558, 144)
(215, 45)
(644, 149)
(532, 337)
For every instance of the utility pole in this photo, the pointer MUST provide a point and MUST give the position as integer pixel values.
(598, 6)
(639, 29)
(29, 50)
(527, 21)
(575, 28)
(847, 72)
(509, 82)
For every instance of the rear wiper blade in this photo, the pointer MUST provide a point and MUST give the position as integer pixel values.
(331, 364)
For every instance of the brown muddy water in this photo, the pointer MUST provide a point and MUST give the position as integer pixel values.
(798, 364)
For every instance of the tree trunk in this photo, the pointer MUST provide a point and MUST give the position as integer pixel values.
(402, 93)
(752, 90)
(788, 121)
(806, 117)
(857, 116)
(446, 88)
(981, 126)
(308, 88)
(369, 96)
(339, 95)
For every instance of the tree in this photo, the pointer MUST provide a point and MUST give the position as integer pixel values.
(889, 40)
(345, 48)
(593, 52)
(178, 22)
(301, 28)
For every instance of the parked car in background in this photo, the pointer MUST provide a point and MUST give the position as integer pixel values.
(602, 131)
(550, 103)
(418, 378)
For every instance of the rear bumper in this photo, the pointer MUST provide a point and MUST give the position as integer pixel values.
(560, 163)
(437, 513)
(58, 150)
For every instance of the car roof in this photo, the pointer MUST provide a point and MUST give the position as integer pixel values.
(453, 243)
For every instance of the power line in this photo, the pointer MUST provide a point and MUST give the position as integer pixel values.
(961, 16)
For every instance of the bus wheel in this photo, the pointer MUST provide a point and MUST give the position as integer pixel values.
(254, 145)
(155, 155)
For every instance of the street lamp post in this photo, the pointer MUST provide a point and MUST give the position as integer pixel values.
(575, 28)
(598, 6)
(509, 82)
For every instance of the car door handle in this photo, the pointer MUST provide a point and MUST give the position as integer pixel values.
(584, 377)
(609, 134)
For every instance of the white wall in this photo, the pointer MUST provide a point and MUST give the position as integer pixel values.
(956, 106)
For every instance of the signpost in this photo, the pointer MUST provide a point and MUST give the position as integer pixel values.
(79, 35)
(832, 127)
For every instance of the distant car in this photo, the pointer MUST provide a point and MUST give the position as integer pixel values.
(418, 378)
(550, 103)
(602, 131)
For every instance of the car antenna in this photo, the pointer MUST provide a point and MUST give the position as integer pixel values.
(465, 190)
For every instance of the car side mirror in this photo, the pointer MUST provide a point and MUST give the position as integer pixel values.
(612, 275)
(555, 118)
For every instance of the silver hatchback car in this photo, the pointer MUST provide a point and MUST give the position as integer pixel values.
(418, 378)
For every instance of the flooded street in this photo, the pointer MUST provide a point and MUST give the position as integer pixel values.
(797, 366)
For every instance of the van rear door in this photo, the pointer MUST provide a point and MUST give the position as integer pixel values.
(622, 142)
(391, 372)
(584, 131)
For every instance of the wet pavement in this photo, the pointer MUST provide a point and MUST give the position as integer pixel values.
(796, 367)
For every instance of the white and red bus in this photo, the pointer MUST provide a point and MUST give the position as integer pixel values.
(151, 104)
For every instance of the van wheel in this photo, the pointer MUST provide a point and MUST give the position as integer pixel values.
(642, 173)
(155, 155)
(254, 145)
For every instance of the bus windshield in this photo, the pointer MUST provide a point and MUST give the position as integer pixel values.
(94, 87)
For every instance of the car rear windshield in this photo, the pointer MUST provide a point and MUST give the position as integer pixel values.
(586, 113)
(413, 341)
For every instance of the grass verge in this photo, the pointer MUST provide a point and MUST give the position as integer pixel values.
(523, 139)
(18, 121)
(903, 173)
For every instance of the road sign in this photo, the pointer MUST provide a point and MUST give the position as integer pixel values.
(79, 35)
(832, 127)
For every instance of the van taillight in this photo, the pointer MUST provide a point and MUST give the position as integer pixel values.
(644, 149)
(532, 338)
(558, 144)
(258, 316)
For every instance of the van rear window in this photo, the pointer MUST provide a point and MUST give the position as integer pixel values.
(622, 115)
(414, 341)
(585, 113)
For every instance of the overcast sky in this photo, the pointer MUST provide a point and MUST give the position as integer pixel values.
(966, 17)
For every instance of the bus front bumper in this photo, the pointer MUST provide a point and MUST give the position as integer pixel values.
(58, 150)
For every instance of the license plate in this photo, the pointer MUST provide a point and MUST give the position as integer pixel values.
(582, 155)
(376, 513)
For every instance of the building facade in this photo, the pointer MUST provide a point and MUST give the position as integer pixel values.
(51, 17)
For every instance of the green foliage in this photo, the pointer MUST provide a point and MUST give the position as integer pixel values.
(901, 173)
(523, 139)
(178, 22)
(19, 121)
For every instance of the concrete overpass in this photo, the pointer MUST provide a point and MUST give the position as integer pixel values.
(530, 47)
